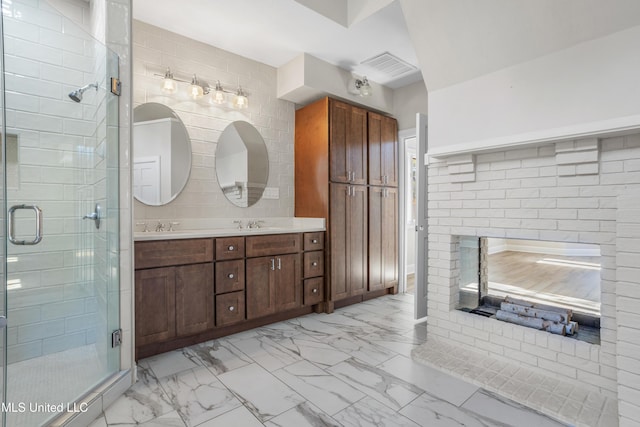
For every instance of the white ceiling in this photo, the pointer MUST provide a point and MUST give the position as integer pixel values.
(276, 31)
(463, 39)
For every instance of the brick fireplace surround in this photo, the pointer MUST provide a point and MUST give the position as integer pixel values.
(585, 191)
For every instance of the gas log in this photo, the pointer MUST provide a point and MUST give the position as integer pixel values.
(556, 320)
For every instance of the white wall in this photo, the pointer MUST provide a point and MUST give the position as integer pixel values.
(588, 88)
(407, 101)
(154, 50)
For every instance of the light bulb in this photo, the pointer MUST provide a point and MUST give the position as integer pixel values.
(195, 89)
(168, 84)
(365, 87)
(241, 101)
(218, 96)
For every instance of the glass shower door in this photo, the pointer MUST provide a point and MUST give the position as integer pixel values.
(60, 161)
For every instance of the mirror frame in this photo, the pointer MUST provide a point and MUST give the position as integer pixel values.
(158, 111)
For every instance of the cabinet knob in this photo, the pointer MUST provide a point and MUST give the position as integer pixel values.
(231, 247)
(314, 263)
(232, 308)
(230, 276)
(314, 241)
(315, 290)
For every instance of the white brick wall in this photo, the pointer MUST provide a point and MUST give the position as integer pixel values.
(628, 304)
(531, 193)
(154, 50)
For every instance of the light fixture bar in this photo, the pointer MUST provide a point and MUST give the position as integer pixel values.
(199, 88)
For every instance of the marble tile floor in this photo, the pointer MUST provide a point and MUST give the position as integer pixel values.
(349, 368)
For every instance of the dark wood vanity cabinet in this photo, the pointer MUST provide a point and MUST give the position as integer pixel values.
(346, 158)
(173, 300)
(187, 292)
(274, 281)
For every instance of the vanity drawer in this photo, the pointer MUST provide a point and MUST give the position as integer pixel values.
(164, 253)
(313, 291)
(314, 241)
(313, 264)
(274, 244)
(229, 308)
(229, 248)
(229, 276)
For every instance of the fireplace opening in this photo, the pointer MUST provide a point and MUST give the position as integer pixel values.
(540, 277)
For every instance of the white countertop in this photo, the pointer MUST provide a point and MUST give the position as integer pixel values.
(288, 225)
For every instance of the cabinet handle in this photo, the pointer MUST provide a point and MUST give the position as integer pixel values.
(230, 276)
(273, 264)
(353, 174)
(314, 263)
(231, 308)
(314, 241)
(231, 248)
(315, 290)
(279, 264)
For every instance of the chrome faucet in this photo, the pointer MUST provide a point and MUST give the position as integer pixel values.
(159, 227)
(239, 224)
(255, 224)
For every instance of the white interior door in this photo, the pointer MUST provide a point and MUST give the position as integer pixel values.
(422, 246)
(146, 178)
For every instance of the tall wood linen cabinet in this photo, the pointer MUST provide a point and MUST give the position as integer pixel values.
(346, 171)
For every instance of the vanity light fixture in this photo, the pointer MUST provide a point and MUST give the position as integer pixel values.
(199, 88)
(363, 86)
(240, 101)
(169, 85)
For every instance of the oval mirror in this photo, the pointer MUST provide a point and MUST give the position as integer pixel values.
(161, 154)
(242, 164)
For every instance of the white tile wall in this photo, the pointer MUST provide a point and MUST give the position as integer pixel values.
(154, 49)
(531, 194)
(53, 304)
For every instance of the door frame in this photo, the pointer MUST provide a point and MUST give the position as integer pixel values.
(403, 135)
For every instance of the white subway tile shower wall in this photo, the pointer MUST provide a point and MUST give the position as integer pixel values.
(53, 303)
(154, 49)
(524, 194)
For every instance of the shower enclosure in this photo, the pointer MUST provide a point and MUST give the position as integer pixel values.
(59, 173)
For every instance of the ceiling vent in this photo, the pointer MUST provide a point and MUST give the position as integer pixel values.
(389, 65)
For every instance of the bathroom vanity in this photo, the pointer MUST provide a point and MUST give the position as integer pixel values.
(191, 287)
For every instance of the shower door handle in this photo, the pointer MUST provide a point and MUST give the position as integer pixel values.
(96, 215)
(12, 234)
(3, 322)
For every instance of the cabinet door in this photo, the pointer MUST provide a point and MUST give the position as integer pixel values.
(338, 240)
(383, 150)
(358, 241)
(155, 305)
(288, 282)
(261, 295)
(383, 236)
(348, 230)
(194, 299)
(347, 143)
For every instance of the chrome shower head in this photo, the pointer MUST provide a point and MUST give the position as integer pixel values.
(76, 95)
